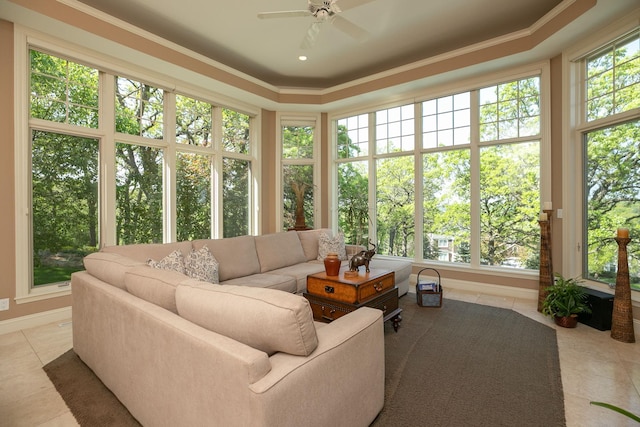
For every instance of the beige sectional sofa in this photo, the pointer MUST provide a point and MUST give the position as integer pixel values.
(179, 351)
(277, 261)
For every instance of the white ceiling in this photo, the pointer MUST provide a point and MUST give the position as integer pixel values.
(400, 32)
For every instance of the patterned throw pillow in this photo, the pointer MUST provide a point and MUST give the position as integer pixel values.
(202, 265)
(327, 244)
(174, 261)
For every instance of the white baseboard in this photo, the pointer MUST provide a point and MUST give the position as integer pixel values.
(34, 320)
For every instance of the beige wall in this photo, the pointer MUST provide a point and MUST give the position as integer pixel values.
(7, 191)
(268, 164)
(556, 161)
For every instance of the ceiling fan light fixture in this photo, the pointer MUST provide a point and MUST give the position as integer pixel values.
(327, 11)
(302, 58)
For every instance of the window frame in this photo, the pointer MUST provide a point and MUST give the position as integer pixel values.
(574, 131)
(540, 69)
(291, 119)
(109, 67)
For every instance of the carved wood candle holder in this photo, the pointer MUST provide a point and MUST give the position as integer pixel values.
(622, 317)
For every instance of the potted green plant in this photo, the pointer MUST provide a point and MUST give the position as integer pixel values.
(565, 300)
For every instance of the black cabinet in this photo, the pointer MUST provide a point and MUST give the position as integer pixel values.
(601, 304)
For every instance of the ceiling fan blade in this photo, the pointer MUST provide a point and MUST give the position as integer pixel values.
(284, 14)
(312, 36)
(350, 4)
(349, 28)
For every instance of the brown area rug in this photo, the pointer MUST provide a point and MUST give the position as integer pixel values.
(460, 365)
(470, 365)
(90, 401)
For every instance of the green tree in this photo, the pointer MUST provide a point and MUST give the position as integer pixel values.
(447, 199)
(395, 197)
(139, 189)
(64, 194)
(612, 179)
(509, 202)
(236, 196)
(236, 173)
(297, 174)
(353, 192)
(193, 194)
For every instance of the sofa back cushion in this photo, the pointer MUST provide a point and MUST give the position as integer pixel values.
(110, 267)
(266, 319)
(236, 256)
(154, 285)
(144, 251)
(279, 250)
(309, 239)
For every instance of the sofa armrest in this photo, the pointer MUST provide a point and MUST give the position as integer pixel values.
(346, 373)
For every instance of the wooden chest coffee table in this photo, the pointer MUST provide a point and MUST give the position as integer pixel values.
(331, 297)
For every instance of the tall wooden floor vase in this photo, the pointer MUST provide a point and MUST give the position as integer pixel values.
(622, 317)
(546, 269)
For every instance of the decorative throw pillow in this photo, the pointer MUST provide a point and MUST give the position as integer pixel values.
(327, 244)
(174, 261)
(202, 265)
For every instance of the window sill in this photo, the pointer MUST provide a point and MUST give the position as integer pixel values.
(45, 292)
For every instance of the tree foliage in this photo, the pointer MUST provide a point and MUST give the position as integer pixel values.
(297, 174)
(65, 167)
(353, 190)
(612, 167)
(509, 203)
(612, 180)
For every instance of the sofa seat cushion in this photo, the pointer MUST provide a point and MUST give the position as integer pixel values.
(110, 267)
(266, 319)
(154, 285)
(300, 272)
(265, 280)
(144, 251)
(236, 256)
(279, 250)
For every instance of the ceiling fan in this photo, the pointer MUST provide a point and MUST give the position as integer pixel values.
(326, 11)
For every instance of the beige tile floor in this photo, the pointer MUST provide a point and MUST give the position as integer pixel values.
(594, 367)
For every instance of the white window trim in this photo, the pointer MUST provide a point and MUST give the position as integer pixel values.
(541, 69)
(292, 119)
(573, 131)
(26, 38)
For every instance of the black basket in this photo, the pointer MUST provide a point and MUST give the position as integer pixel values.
(429, 294)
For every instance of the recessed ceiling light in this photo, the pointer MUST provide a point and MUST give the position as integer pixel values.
(302, 58)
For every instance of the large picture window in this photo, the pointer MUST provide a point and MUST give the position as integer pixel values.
(64, 168)
(159, 181)
(237, 172)
(65, 204)
(611, 171)
(612, 192)
(491, 135)
(298, 173)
